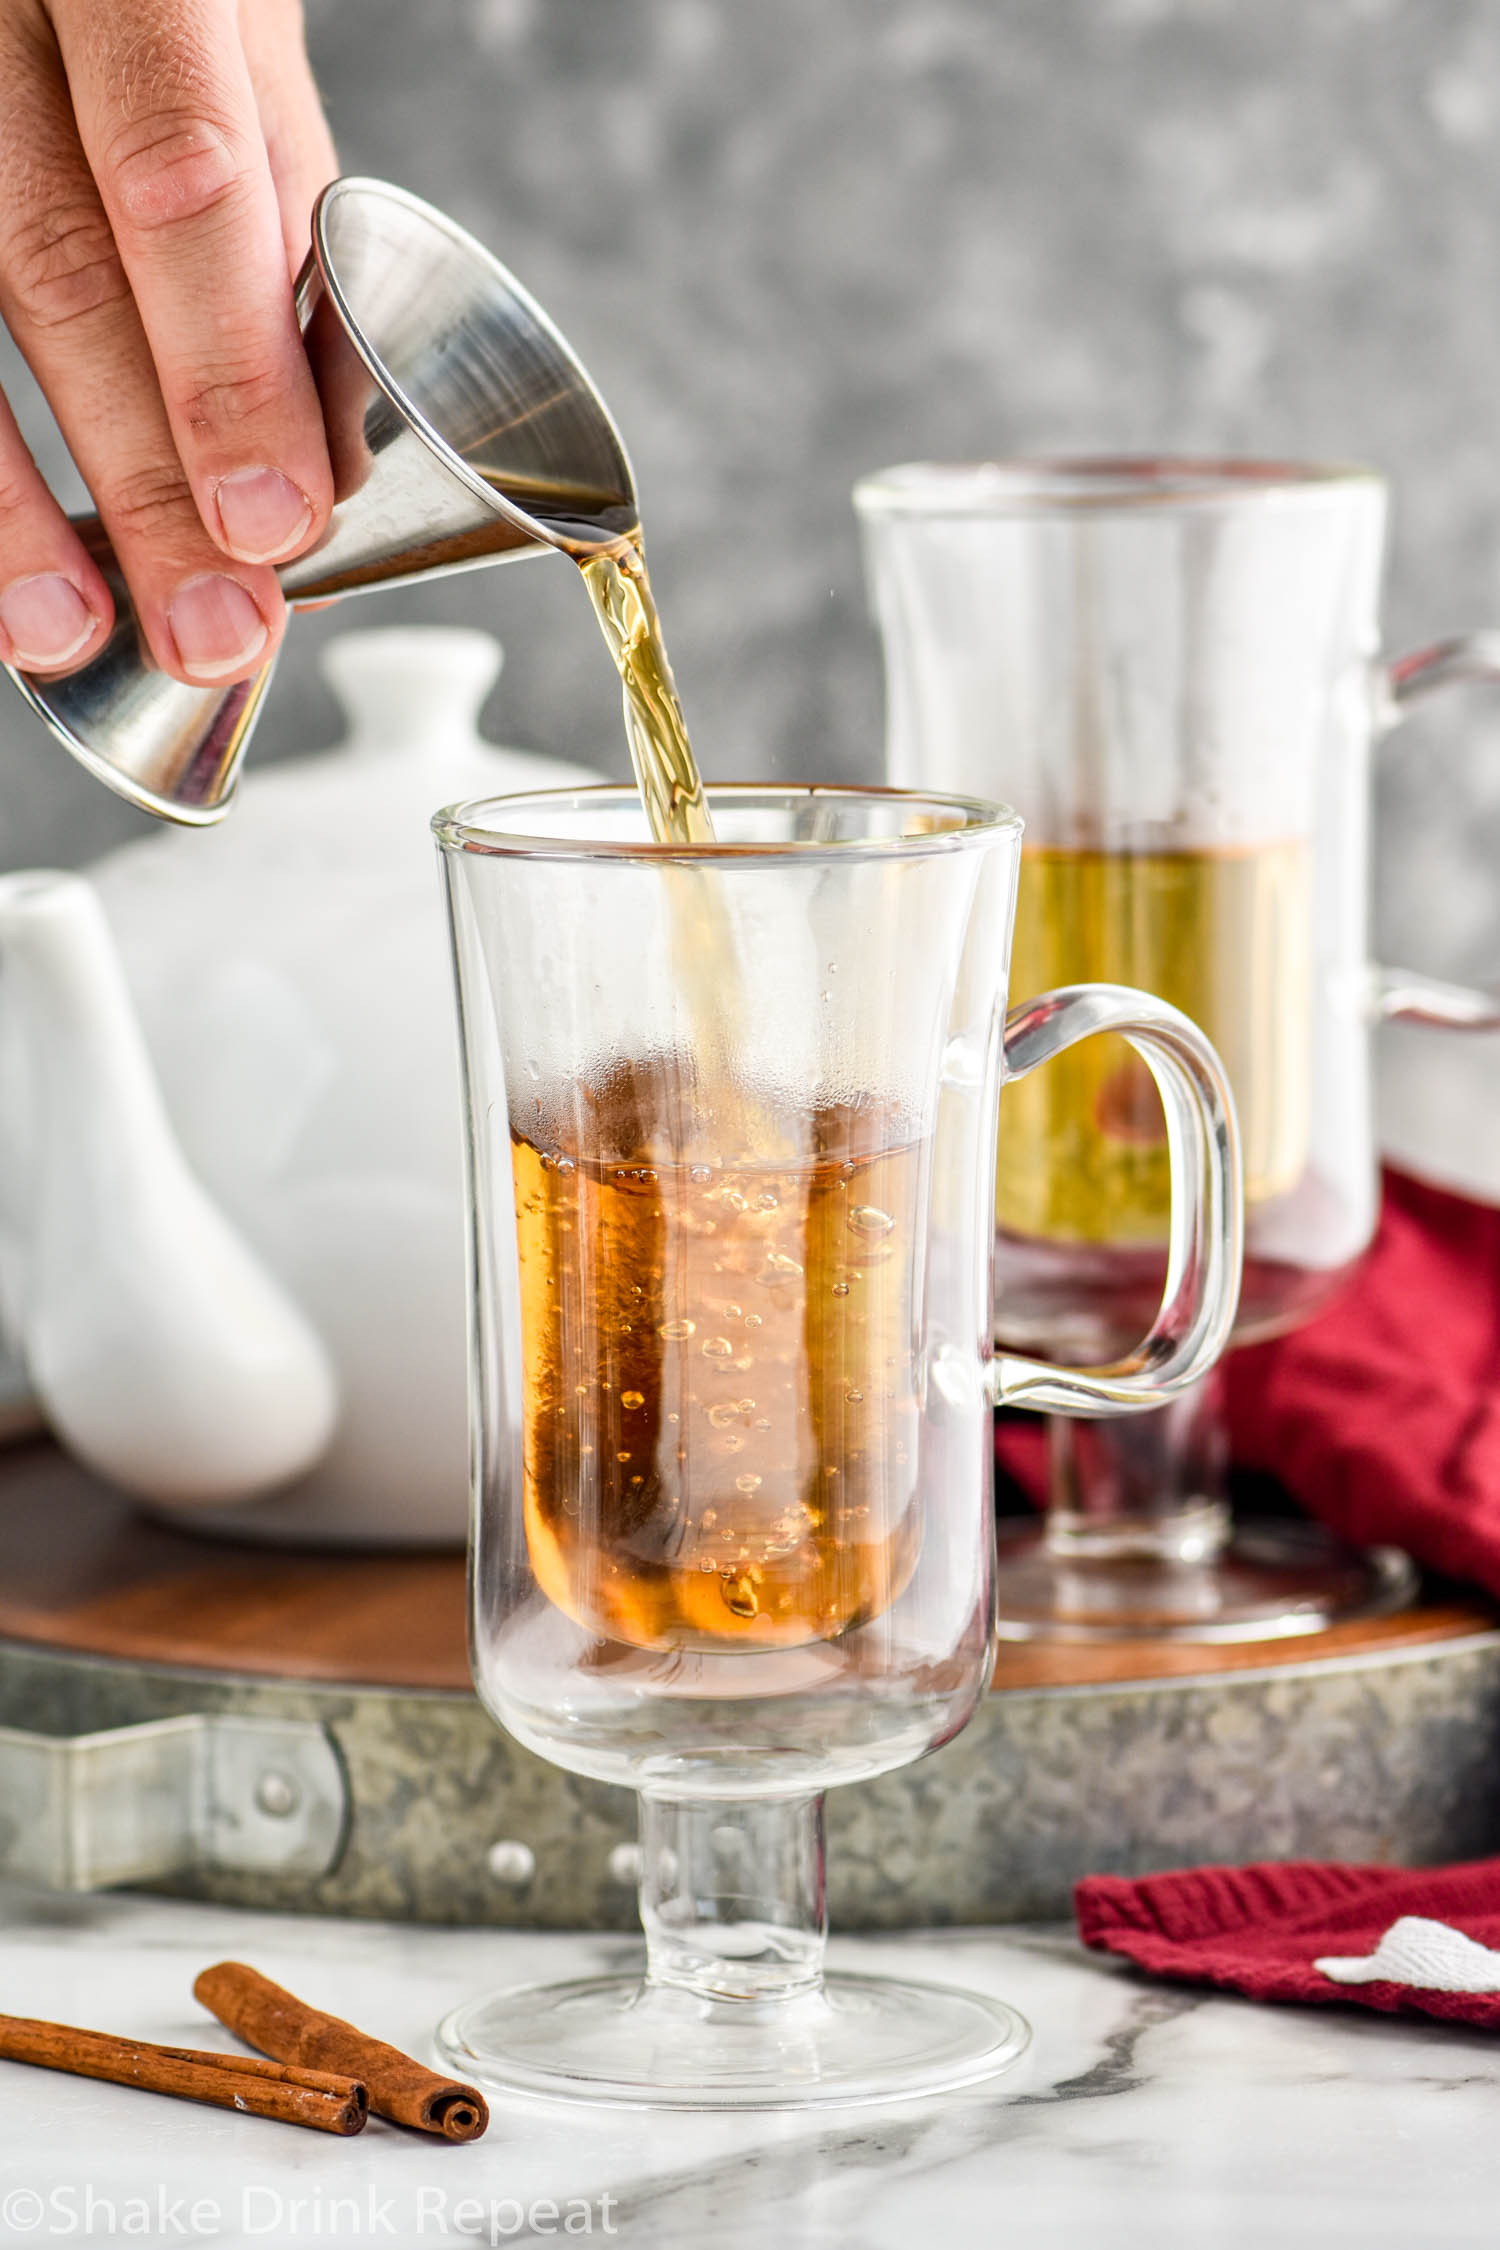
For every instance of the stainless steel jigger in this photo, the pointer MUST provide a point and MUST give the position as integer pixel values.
(462, 431)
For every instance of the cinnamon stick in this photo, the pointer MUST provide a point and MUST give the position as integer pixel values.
(328, 2103)
(280, 2024)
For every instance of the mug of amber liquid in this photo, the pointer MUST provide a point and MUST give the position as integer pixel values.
(1173, 669)
(731, 1128)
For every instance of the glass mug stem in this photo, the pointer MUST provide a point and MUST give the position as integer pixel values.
(1141, 1487)
(732, 1896)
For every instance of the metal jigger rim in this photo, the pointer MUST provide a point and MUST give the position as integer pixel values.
(177, 811)
(354, 184)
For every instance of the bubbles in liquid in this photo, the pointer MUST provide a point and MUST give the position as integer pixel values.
(855, 1398)
(865, 1219)
(622, 1456)
(737, 1589)
(787, 1571)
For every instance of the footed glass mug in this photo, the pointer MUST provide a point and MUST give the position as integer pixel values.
(1171, 668)
(731, 1127)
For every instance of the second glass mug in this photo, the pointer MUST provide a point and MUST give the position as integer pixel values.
(1171, 667)
(731, 1118)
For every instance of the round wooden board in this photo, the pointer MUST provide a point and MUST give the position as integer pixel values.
(82, 1569)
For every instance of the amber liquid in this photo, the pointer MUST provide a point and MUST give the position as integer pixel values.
(720, 1410)
(666, 772)
(1225, 936)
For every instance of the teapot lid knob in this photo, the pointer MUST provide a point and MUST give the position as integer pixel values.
(407, 686)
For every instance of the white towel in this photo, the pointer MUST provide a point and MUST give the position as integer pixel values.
(1417, 1951)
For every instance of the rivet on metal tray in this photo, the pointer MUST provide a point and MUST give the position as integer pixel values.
(625, 1864)
(277, 1794)
(510, 1862)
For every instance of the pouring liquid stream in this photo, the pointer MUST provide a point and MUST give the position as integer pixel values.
(666, 772)
(709, 973)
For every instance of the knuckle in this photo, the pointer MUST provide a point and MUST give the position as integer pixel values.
(172, 169)
(229, 401)
(62, 265)
(171, 159)
(151, 503)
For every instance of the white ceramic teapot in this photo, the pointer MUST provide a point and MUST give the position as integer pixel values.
(163, 1351)
(290, 973)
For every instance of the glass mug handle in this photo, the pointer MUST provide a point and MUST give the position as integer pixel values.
(1205, 1245)
(1401, 995)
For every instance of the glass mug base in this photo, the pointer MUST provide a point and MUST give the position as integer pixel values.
(1269, 1581)
(629, 2044)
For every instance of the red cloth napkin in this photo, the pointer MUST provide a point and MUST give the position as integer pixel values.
(1258, 1930)
(1382, 1416)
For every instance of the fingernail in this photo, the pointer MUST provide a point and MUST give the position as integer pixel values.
(46, 618)
(216, 626)
(262, 513)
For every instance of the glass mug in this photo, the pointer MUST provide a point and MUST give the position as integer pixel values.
(731, 1126)
(1170, 667)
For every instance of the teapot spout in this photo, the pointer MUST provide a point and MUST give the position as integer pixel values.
(162, 1352)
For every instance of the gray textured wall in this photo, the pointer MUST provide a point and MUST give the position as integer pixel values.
(797, 239)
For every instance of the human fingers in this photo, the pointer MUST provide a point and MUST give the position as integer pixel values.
(67, 301)
(166, 114)
(298, 142)
(55, 609)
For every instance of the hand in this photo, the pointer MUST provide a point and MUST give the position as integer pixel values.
(158, 163)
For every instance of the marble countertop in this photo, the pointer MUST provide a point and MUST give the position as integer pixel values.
(1143, 2115)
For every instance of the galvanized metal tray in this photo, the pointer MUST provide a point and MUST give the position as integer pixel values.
(295, 1730)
